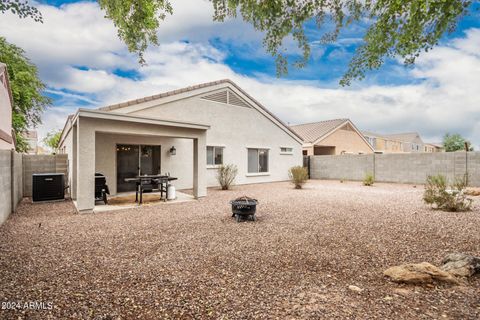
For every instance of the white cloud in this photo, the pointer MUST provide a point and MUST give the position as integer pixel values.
(445, 98)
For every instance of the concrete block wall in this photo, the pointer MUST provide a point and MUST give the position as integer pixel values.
(17, 179)
(42, 164)
(351, 167)
(11, 182)
(399, 167)
(5, 184)
(474, 168)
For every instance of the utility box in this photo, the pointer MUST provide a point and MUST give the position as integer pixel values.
(48, 186)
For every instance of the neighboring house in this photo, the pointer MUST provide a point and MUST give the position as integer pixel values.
(6, 134)
(188, 133)
(382, 143)
(411, 141)
(330, 137)
(433, 147)
(42, 150)
(31, 137)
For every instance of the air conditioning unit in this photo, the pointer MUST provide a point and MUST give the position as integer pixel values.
(48, 186)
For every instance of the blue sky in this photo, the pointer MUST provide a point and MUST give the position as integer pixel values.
(85, 65)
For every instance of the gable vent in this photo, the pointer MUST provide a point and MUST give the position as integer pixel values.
(217, 97)
(236, 100)
(227, 97)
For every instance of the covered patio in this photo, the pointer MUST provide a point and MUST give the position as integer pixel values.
(109, 142)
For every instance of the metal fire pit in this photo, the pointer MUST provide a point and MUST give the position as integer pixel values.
(244, 208)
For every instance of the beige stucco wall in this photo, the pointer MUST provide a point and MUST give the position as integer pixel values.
(179, 165)
(346, 140)
(387, 146)
(68, 146)
(5, 116)
(235, 128)
(82, 141)
(412, 146)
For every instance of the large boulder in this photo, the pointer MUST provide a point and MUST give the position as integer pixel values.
(419, 273)
(461, 264)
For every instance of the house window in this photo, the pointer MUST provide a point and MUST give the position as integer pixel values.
(214, 156)
(286, 150)
(257, 160)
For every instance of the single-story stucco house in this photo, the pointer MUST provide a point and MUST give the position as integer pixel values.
(332, 137)
(187, 132)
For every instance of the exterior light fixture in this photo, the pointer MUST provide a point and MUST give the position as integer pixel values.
(173, 151)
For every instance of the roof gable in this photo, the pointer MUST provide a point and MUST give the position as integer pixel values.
(311, 132)
(317, 131)
(406, 137)
(222, 90)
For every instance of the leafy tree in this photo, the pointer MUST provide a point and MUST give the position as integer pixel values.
(21, 9)
(455, 142)
(403, 28)
(29, 102)
(52, 140)
(137, 21)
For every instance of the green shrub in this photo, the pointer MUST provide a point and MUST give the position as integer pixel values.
(439, 197)
(226, 175)
(368, 180)
(298, 176)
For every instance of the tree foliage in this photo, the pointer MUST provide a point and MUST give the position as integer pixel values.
(455, 142)
(397, 27)
(137, 21)
(52, 140)
(21, 9)
(403, 28)
(29, 102)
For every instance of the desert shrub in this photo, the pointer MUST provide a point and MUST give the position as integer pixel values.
(226, 175)
(298, 176)
(368, 180)
(439, 197)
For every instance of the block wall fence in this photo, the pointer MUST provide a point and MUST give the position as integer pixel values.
(16, 171)
(400, 167)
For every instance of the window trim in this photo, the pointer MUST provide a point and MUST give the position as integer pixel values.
(214, 165)
(286, 152)
(258, 173)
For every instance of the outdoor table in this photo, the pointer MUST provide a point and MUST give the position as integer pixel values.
(161, 180)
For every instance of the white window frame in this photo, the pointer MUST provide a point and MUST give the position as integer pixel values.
(214, 165)
(288, 151)
(258, 173)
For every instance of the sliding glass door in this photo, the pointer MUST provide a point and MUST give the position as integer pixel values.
(133, 160)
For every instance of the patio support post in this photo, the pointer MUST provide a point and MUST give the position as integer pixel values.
(200, 165)
(73, 180)
(85, 166)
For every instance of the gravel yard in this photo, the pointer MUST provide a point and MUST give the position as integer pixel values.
(193, 261)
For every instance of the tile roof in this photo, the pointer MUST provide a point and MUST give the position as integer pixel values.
(405, 137)
(191, 88)
(165, 94)
(311, 132)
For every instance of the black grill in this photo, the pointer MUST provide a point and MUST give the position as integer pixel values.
(244, 208)
(48, 186)
(101, 188)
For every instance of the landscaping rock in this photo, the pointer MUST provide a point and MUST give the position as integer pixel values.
(419, 273)
(355, 288)
(402, 292)
(461, 264)
(472, 192)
